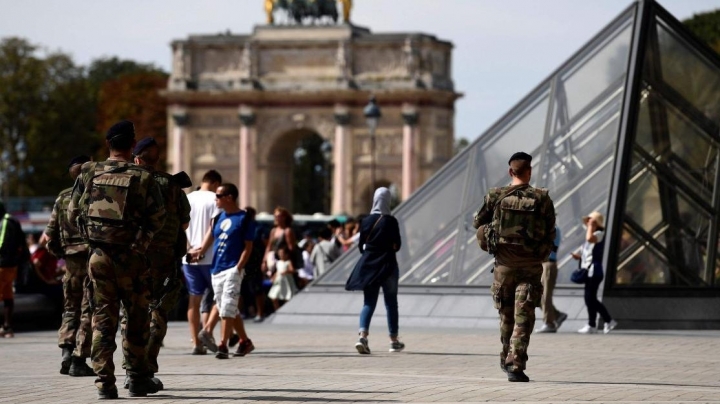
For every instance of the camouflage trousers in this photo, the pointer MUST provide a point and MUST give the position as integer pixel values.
(119, 276)
(164, 297)
(76, 327)
(516, 293)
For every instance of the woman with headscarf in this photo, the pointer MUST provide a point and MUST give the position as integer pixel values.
(377, 269)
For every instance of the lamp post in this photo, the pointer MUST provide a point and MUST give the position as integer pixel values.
(327, 148)
(21, 151)
(372, 117)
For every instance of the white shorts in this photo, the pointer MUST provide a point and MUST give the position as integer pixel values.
(226, 286)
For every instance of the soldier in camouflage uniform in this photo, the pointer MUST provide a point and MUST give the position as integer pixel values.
(516, 224)
(119, 209)
(163, 255)
(64, 241)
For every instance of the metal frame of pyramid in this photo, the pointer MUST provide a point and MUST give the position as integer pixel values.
(628, 126)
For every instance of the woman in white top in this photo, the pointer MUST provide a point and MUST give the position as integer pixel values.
(591, 258)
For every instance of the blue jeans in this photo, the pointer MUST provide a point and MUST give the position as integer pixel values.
(371, 293)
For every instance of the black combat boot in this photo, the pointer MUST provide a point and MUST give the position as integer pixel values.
(108, 393)
(79, 368)
(141, 387)
(517, 376)
(157, 382)
(67, 351)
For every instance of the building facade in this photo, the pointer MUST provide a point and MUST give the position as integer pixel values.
(242, 104)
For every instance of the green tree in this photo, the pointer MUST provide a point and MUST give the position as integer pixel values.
(135, 97)
(43, 104)
(707, 27)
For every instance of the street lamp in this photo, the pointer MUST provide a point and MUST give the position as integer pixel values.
(21, 151)
(372, 117)
(326, 148)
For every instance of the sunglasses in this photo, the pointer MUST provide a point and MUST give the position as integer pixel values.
(218, 196)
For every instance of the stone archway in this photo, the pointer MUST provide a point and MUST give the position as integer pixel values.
(298, 173)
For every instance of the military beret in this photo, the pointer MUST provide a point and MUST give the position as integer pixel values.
(144, 144)
(122, 128)
(520, 156)
(82, 159)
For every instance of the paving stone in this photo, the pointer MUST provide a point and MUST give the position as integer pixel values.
(300, 363)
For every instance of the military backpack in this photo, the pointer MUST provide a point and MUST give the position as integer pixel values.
(104, 213)
(518, 219)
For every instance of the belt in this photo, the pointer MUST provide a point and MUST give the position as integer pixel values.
(552, 260)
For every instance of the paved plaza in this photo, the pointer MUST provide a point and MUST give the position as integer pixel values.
(319, 364)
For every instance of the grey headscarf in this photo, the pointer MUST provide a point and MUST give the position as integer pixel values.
(381, 201)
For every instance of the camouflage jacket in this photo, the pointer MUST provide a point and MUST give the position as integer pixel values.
(117, 202)
(518, 215)
(65, 238)
(177, 207)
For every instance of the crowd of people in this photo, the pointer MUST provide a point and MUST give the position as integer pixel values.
(126, 237)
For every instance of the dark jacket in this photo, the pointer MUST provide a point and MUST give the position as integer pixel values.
(378, 247)
(12, 241)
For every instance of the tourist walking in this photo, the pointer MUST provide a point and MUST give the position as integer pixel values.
(517, 226)
(552, 317)
(12, 248)
(378, 269)
(197, 273)
(590, 258)
(231, 237)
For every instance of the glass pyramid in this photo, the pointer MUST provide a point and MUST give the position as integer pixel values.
(628, 126)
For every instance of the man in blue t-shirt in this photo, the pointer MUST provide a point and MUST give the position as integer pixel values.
(231, 235)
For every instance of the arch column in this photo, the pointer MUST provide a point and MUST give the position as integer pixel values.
(180, 119)
(246, 157)
(340, 171)
(409, 160)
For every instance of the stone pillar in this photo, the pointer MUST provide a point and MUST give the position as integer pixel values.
(246, 156)
(340, 172)
(180, 119)
(409, 166)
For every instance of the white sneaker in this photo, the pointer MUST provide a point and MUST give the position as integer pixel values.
(396, 346)
(546, 328)
(362, 346)
(609, 326)
(587, 330)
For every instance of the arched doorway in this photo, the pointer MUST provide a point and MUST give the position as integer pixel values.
(300, 173)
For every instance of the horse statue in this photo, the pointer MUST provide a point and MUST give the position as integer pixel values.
(301, 10)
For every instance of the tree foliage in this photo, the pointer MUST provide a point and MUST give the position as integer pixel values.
(135, 97)
(707, 27)
(60, 110)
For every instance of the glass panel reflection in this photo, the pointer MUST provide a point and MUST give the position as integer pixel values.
(688, 72)
(603, 69)
(644, 266)
(526, 133)
(643, 201)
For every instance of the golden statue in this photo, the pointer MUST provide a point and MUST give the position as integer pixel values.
(269, 6)
(347, 6)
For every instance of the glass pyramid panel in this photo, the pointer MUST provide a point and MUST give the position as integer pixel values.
(569, 123)
(670, 215)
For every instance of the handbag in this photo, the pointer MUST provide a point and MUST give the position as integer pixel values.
(580, 275)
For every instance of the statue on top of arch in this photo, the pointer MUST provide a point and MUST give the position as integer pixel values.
(316, 11)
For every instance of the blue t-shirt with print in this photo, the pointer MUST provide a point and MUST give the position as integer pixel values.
(230, 234)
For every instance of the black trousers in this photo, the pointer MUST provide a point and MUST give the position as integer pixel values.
(594, 306)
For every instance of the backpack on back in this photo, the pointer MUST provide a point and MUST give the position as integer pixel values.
(518, 219)
(104, 215)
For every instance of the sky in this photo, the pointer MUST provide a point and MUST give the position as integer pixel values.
(503, 48)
